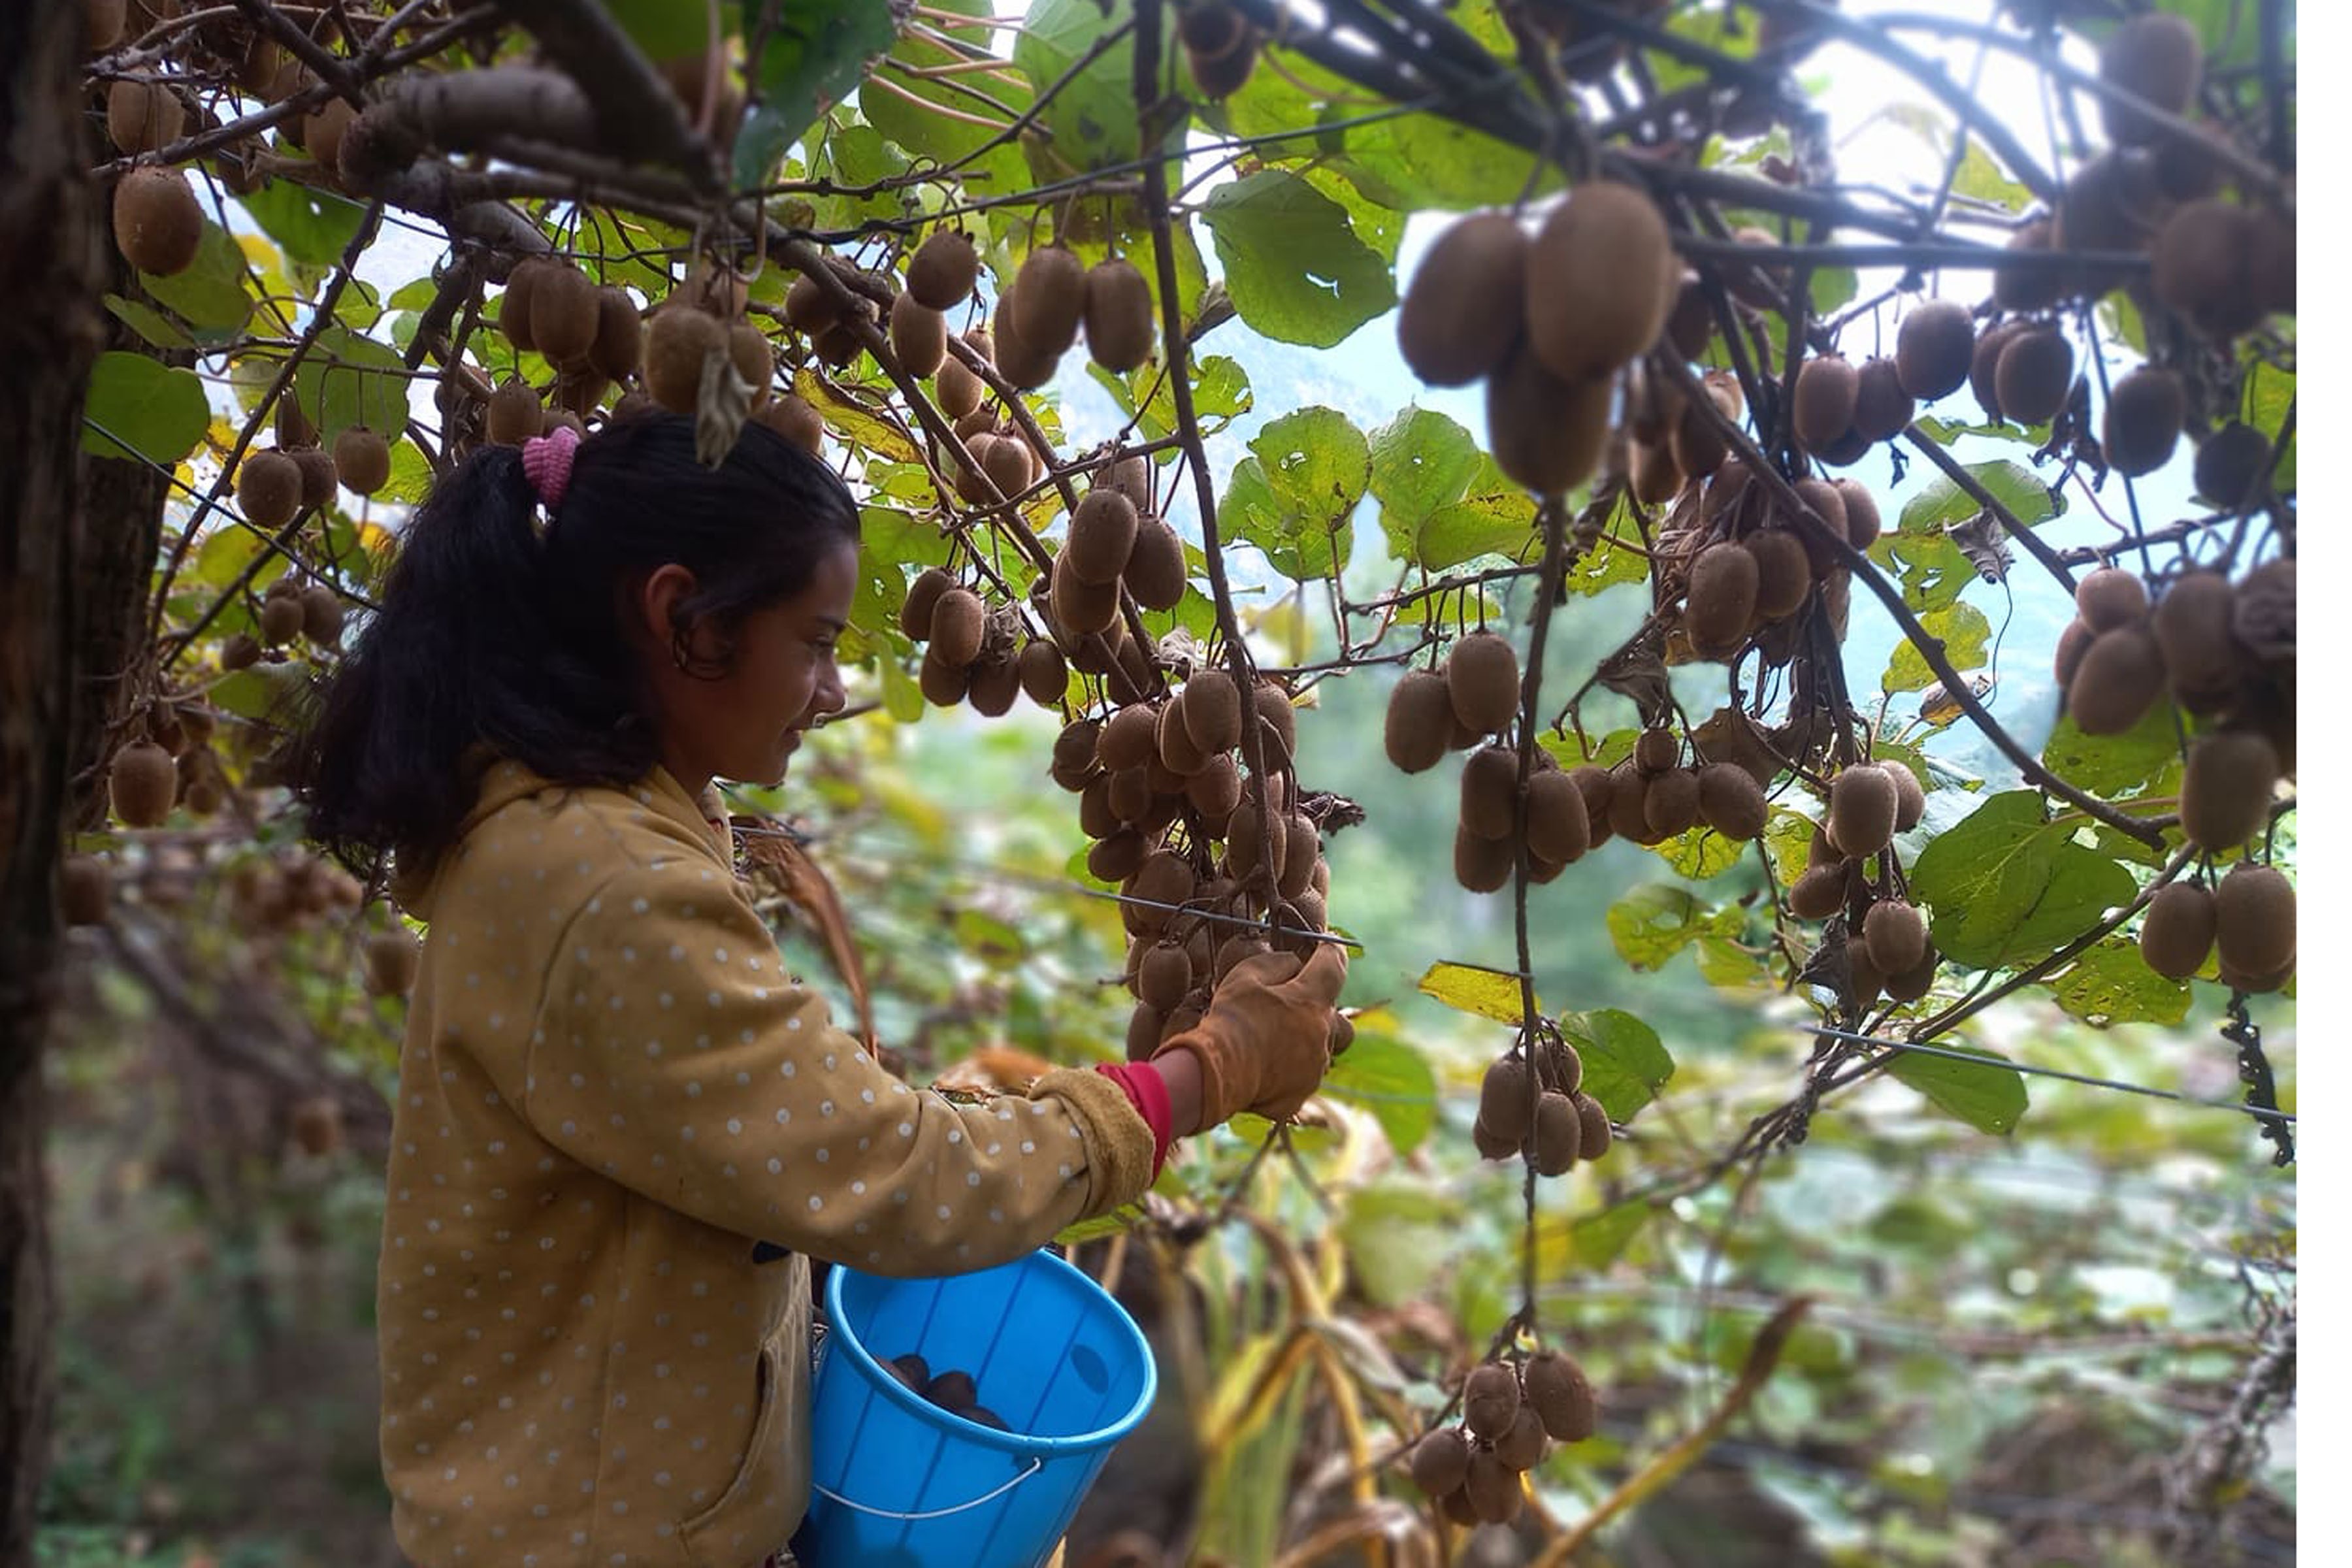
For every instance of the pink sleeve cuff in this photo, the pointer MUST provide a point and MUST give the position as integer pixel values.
(1148, 1092)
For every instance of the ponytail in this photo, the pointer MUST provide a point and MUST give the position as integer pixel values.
(489, 636)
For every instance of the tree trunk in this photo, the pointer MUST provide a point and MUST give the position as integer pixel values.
(50, 334)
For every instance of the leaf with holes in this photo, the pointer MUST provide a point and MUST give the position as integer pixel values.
(2111, 984)
(1294, 266)
(1962, 629)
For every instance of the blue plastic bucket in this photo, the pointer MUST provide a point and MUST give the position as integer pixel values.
(898, 1481)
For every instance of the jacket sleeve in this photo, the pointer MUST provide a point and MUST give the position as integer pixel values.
(672, 1053)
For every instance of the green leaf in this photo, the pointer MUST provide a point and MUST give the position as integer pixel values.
(2005, 884)
(1294, 266)
(1989, 1096)
(1596, 1241)
(1654, 921)
(157, 329)
(1941, 502)
(2144, 757)
(1487, 524)
(347, 380)
(1625, 1063)
(1963, 631)
(1400, 1238)
(209, 294)
(1470, 989)
(816, 54)
(1091, 121)
(1700, 853)
(313, 226)
(2111, 983)
(1422, 460)
(140, 407)
(1293, 496)
(411, 476)
(1391, 1080)
(2270, 393)
(920, 127)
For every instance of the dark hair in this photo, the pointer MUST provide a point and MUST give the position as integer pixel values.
(491, 634)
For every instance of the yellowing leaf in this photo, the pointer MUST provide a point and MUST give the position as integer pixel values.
(1469, 988)
(852, 420)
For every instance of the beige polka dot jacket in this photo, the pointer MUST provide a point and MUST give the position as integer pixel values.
(610, 1093)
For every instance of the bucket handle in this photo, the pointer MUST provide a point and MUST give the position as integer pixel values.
(1034, 1466)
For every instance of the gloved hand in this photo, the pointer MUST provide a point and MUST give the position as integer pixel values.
(1265, 1041)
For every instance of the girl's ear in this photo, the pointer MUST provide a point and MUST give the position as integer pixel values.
(657, 598)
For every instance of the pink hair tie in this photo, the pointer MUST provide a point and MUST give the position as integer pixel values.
(547, 459)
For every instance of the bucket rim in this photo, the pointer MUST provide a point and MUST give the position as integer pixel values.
(840, 1339)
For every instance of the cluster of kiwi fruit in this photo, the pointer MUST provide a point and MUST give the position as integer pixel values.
(1546, 322)
(1887, 947)
(1512, 1411)
(1053, 296)
(2217, 265)
(977, 652)
(1745, 565)
(277, 484)
(2247, 919)
(1220, 46)
(168, 762)
(2225, 653)
(952, 1391)
(1540, 1114)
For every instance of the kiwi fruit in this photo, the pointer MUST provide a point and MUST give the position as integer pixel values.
(1656, 750)
(1119, 856)
(85, 890)
(972, 482)
(318, 475)
(1044, 674)
(1164, 976)
(1656, 479)
(2107, 204)
(269, 488)
(1155, 571)
(362, 460)
(1009, 466)
(1303, 850)
(2176, 936)
(1096, 817)
(1825, 501)
(239, 650)
(952, 1391)
(2253, 923)
(944, 270)
(1482, 865)
(1697, 448)
(280, 621)
(2225, 788)
(2153, 57)
(1823, 409)
(2035, 371)
(1130, 739)
(1082, 608)
(1018, 361)
(2273, 262)
(2028, 287)
(1862, 804)
(1279, 722)
(141, 782)
(959, 625)
(794, 419)
(1599, 790)
(1466, 305)
(1212, 710)
(1225, 70)
(1933, 349)
(1420, 717)
(158, 225)
(922, 599)
(514, 303)
(679, 340)
(1491, 1396)
(619, 345)
(918, 335)
(1117, 312)
(1910, 797)
(1783, 575)
(2110, 597)
(1598, 282)
(1494, 1490)
(563, 313)
(1482, 681)
(2192, 626)
(1882, 409)
(810, 306)
(944, 684)
(1557, 829)
(1102, 537)
(1562, 1399)
(2121, 675)
(2204, 266)
(2144, 410)
(2262, 612)
(959, 390)
(754, 358)
(1628, 793)
(1862, 519)
(2072, 644)
(1595, 1135)
(323, 129)
(995, 682)
(1730, 801)
(1048, 299)
(1164, 877)
(1670, 802)
(1984, 366)
(1179, 753)
(1216, 789)
(2230, 465)
(1440, 1462)
(145, 116)
(1076, 747)
(1690, 323)
(1490, 791)
(104, 19)
(322, 615)
(514, 412)
(1724, 582)
(1894, 934)
(1557, 1135)
(1545, 433)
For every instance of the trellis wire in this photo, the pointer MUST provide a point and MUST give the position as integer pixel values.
(2258, 1112)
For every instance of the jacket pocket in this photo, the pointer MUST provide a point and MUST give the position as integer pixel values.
(762, 1505)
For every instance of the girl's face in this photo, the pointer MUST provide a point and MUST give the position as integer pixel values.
(781, 677)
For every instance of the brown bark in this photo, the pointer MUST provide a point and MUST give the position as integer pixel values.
(49, 334)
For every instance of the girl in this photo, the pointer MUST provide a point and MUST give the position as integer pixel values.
(614, 1106)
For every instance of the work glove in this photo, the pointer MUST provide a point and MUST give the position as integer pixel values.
(1265, 1041)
